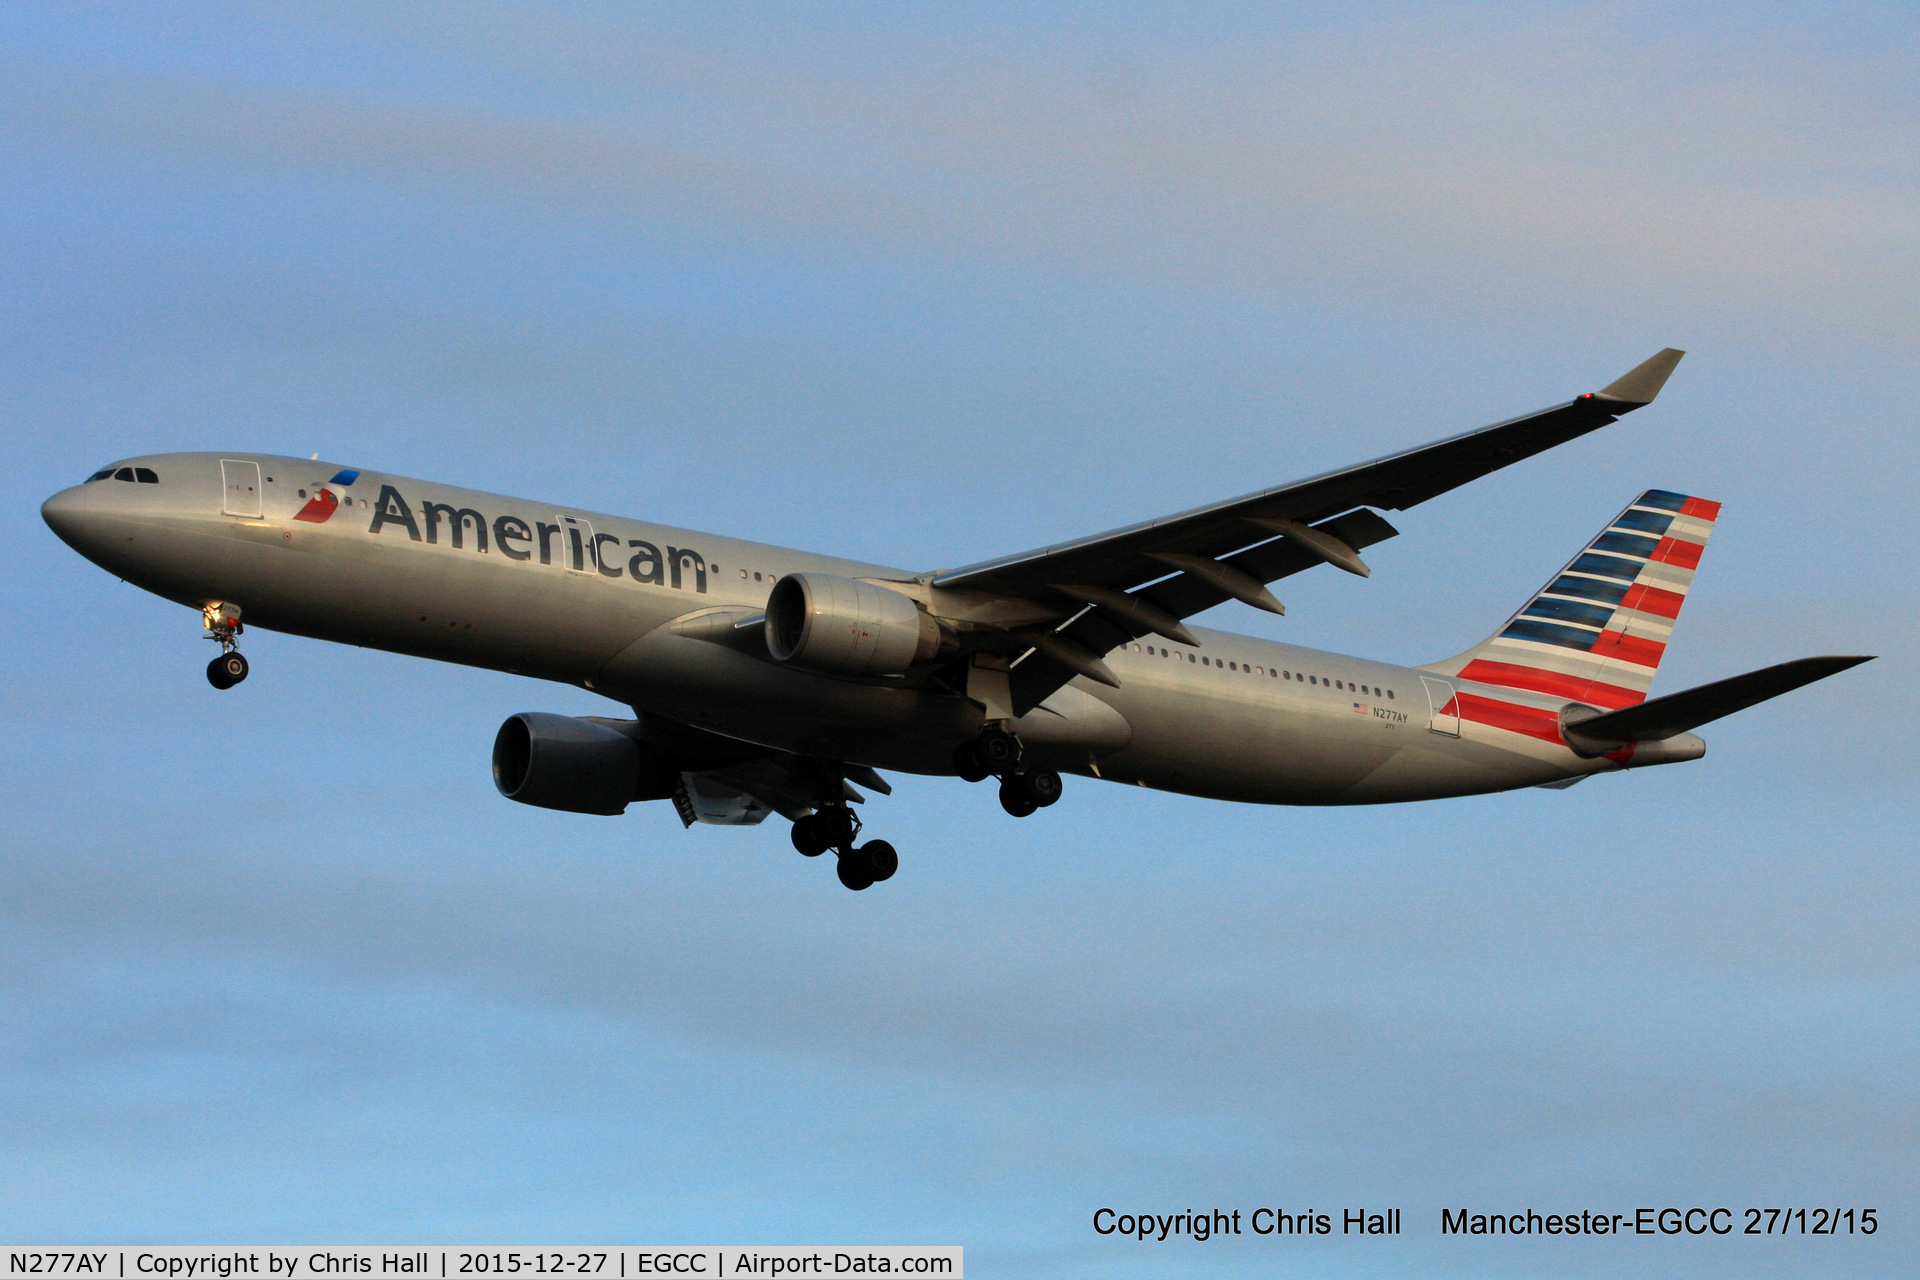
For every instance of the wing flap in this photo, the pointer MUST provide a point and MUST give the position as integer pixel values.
(1187, 594)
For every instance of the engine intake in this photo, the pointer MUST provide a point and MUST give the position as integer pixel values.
(560, 762)
(846, 626)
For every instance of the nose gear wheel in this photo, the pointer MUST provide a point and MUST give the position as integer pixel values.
(222, 622)
(227, 670)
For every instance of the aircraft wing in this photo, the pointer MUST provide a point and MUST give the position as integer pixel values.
(1230, 549)
(1120, 558)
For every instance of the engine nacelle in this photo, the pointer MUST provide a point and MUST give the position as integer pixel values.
(560, 762)
(828, 623)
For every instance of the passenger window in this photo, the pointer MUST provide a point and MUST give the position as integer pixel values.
(1389, 695)
(1234, 665)
(124, 473)
(756, 577)
(145, 475)
(1312, 680)
(1189, 657)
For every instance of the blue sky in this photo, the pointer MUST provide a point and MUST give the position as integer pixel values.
(922, 286)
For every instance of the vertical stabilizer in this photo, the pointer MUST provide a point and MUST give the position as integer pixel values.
(1597, 632)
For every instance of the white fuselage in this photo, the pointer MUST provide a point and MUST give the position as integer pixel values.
(592, 600)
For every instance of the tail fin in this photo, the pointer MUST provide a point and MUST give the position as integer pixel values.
(1597, 632)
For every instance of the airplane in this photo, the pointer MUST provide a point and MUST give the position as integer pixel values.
(766, 680)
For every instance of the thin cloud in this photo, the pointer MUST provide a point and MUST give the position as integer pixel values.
(1313, 160)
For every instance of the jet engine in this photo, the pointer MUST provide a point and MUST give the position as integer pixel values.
(846, 626)
(579, 765)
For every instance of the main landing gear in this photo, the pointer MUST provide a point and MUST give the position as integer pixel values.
(998, 753)
(835, 827)
(223, 624)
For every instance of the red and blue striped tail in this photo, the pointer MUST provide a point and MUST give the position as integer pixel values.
(1597, 632)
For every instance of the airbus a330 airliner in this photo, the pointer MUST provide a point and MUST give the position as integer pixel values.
(765, 680)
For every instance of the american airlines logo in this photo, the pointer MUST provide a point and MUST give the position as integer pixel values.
(569, 541)
(320, 507)
(324, 502)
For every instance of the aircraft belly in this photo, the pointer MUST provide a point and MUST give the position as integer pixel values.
(715, 687)
(1232, 746)
(1072, 727)
(1441, 766)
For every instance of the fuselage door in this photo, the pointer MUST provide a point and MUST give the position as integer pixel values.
(577, 549)
(242, 488)
(1441, 704)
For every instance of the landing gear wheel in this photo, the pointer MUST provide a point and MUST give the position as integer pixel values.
(837, 826)
(1014, 796)
(1044, 787)
(1000, 750)
(968, 763)
(227, 670)
(878, 859)
(853, 871)
(808, 837)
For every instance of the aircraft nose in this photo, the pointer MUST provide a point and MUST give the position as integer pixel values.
(69, 513)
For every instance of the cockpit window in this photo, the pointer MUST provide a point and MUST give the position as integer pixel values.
(124, 473)
(145, 475)
(99, 475)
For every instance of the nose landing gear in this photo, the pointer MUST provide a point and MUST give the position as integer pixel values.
(835, 827)
(223, 624)
(997, 752)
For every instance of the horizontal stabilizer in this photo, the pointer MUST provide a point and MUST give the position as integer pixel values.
(1678, 712)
